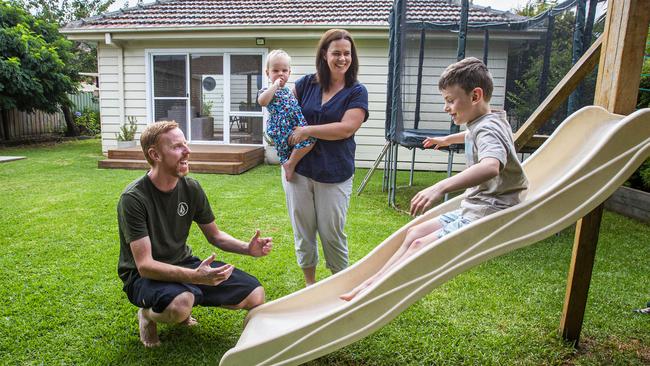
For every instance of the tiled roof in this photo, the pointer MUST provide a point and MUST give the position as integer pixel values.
(220, 13)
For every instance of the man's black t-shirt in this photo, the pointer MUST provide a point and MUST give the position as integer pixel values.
(166, 217)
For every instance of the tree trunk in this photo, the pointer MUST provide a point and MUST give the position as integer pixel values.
(72, 129)
(4, 125)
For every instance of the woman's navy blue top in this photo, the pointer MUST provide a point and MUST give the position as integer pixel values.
(329, 161)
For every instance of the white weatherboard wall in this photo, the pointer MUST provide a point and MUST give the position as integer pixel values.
(134, 96)
(373, 71)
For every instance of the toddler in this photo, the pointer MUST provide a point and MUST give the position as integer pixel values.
(284, 112)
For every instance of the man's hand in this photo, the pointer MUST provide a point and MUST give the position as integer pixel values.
(436, 142)
(206, 275)
(259, 247)
(424, 199)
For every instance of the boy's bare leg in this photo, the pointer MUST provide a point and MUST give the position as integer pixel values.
(290, 165)
(421, 233)
(178, 311)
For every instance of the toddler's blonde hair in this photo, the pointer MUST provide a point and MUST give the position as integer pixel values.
(277, 54)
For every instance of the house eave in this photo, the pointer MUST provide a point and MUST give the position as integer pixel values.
(267, 31)
(220, 28)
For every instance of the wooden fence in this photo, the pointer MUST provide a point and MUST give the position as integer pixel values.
(84, 100)
(39, 125)
(25, 126)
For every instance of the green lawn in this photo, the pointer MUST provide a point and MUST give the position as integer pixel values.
(61, 300)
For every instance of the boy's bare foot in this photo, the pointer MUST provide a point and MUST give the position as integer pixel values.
(190, 321)
(288, 171)
(351, 294)
(148, 331)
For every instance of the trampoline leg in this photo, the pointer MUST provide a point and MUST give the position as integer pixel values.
(393, 181)
(372, 170)
(387, 165)
(450, 163)
(412, 168)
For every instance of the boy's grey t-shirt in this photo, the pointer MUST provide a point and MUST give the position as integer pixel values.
(490, 136)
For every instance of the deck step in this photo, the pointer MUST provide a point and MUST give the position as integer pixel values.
(220, 159)
(214, 153)
(195, 166)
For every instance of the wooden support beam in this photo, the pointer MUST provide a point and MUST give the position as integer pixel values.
(582, 263)
(559, 94)
(619, 69)
(619, 72)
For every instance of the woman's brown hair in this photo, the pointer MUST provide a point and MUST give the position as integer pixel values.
(323, 75)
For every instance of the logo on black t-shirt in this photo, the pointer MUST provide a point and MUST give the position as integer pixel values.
(182, 209)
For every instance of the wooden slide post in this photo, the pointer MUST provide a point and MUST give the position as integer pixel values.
(619, 72)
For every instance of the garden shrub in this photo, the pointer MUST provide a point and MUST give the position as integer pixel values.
(641, 178)
(88, 122)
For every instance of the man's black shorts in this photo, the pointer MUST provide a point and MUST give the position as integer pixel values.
(157, 295)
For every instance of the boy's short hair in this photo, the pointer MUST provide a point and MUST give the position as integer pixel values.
(277, 53)
(468, 74)
(151, 135)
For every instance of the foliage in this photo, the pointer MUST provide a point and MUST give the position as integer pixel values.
(525, 68)
(37, 70)
(641, 178)
(63, 12)
(644, 95)
(128, 130)
(66, 11)
(206, 108)
(63, 304)
(88, 121)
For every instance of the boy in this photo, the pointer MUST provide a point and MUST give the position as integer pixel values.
(494, 178)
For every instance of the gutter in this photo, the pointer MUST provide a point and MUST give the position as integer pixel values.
(255, 27)
(284, 32)
(108, 39)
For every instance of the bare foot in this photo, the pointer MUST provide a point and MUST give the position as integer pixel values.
(148, 331)
(190, 321)
(351, 294)
(288, 171)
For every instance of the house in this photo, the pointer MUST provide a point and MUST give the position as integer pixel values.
(201, 62)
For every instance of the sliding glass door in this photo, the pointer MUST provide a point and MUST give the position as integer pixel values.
(206, 90)
(170, 93)
(245, 112)
(212, 95)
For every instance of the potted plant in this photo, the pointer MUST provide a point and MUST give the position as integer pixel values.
(270, 153)
(126, 136)
(203, 126)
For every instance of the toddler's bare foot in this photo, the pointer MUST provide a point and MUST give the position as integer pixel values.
(190, 321)
(288, 171)
(148, 331)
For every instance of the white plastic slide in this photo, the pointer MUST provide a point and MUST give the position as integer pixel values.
(591, 154)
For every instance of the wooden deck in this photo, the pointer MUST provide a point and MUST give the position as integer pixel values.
(216, 159)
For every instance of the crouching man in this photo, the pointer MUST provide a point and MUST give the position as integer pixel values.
(155, 212)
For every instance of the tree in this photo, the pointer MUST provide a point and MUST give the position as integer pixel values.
(37, 68)
(63, 12)
(644, 93)
(66, 11)
(525, 67)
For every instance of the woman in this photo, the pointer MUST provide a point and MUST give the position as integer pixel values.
(335, 105)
